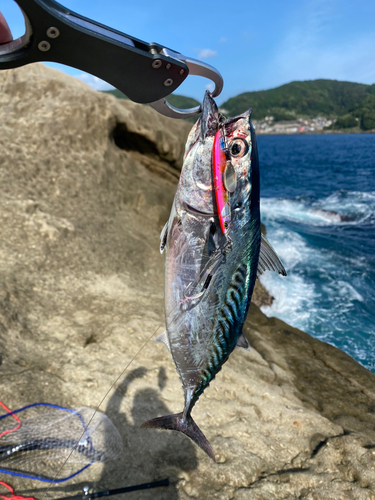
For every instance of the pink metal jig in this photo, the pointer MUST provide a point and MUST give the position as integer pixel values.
(219, 161)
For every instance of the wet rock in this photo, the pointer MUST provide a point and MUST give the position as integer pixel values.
(261, 296)
(86, 184)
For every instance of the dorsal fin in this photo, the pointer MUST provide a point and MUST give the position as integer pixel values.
(163, 337)
(164, 237)
(268, 260)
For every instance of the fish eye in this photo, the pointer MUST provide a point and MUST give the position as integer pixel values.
(238, 147)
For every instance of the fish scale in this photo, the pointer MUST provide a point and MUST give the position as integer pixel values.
(223, 343)
(211, 256)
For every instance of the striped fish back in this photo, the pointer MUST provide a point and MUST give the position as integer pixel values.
(228, 326)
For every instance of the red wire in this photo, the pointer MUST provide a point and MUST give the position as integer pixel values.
(13, 496)
(15, 417)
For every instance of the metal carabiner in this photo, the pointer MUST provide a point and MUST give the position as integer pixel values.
(144, 72)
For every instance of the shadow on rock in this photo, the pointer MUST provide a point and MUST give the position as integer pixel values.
(149, 455)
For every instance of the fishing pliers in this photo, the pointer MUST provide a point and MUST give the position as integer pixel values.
(144, 72)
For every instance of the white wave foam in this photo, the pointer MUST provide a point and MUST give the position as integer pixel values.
(358, 205)
(318, 291)
(279, 209)
(346, 291)
(351, 195)
(291, 247)
(294, 299)
(327, 215)
(342, 207)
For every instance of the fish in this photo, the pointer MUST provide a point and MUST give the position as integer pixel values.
(214, 252)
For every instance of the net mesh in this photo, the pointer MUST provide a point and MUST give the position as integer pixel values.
(49, 436)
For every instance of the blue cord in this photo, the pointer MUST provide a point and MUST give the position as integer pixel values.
(45, 479)
(38, 478)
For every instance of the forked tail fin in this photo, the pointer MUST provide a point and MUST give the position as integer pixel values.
(187, 426)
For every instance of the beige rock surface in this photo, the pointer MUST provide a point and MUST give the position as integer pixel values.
(86, 185)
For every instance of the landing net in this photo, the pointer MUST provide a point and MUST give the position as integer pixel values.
(48, 435)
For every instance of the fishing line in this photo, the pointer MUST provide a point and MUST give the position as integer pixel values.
(224, 250)
(99, 405)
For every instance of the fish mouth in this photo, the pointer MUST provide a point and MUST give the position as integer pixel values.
(193, 210)
(209, 117)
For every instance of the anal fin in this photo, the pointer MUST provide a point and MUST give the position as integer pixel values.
(163, 337)
(242, 342)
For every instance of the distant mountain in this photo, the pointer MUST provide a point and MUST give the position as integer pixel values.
(344, 101)
(352, 105)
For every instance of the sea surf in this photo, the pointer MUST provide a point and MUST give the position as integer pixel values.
(318, 205)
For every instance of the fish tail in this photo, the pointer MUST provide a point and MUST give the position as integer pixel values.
(186, 425)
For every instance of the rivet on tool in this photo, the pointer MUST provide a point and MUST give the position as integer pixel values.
(182, 71)
(53, 32)
(44, 46)
(156, 64)
(168, 66)
(168, 82)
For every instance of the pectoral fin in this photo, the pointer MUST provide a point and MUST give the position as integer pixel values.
(268, 260)
(207, 274)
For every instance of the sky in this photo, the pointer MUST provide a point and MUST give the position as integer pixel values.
(255, 45)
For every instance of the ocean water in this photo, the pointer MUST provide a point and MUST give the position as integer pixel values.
(318, 204)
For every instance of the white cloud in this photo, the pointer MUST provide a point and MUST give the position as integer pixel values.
(94, 82)
(309, 51)
(210, 87)
(206, 54)
(222, 39)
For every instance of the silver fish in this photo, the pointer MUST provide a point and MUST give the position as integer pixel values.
(210, 272)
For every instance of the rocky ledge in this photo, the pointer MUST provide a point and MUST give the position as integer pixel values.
(86, 185)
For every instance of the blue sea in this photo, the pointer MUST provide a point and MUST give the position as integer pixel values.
(318, 204)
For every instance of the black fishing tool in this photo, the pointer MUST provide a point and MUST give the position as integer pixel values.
(126, 489)
(144, 72)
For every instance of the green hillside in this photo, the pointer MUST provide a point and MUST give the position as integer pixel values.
(329, 98)
(351, 104)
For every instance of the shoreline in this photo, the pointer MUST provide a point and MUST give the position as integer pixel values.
(317, 132)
